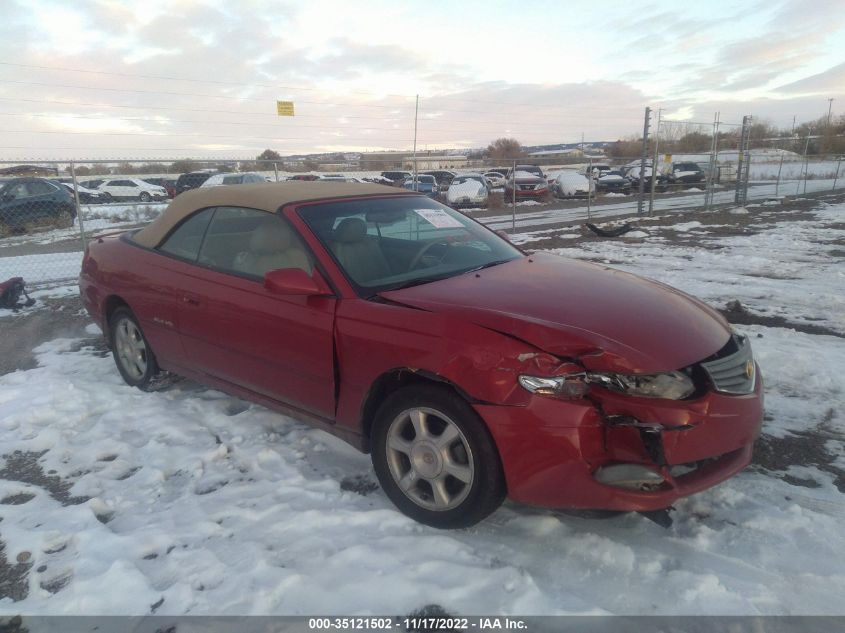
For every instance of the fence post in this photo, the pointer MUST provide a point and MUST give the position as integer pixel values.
(590, 186)
(276, 170)
(836, 177)
(806, 148)
(742, 162)
(643, 160)
(78, 206)
(513, 196)
(780, 168)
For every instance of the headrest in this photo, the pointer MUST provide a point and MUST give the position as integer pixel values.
(351, 230)
(270, 236)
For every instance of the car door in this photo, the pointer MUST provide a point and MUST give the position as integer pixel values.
(234, 329)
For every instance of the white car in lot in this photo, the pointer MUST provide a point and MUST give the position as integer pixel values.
(468, 190)
(133, 189)
(234, 178)
(496, 179)
(571, 184)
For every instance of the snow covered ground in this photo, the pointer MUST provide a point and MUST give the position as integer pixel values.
(189, 501)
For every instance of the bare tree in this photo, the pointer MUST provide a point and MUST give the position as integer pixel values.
(505, 148)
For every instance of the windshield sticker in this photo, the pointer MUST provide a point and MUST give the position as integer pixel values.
(439, 219)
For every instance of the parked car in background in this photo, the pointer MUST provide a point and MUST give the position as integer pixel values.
(424, 184)
(469, 370)
(661, 183)
(396, 177)
(337, 178)
(133, 189)
(468, 190)
(191, 180)
(526, 182)
(495, 179)
(686, 173)
(235, 178)
(169, 184)
(91, 184)
(86, 195)
(442, 176)
(304, 177)
(597, 170)
(32, 201)
(571, 184)
(613, 181)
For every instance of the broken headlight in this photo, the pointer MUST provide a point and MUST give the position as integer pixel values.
(673, 385)
(567, 386)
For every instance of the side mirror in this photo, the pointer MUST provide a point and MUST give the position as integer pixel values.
(295, 281)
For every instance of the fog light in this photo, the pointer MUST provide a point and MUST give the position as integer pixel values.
(631, 476)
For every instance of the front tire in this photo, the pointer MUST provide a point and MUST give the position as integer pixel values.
(435, 458)
(132, 353)
(144, 197)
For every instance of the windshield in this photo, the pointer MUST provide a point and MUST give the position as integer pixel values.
(389, 243)
(462, 179)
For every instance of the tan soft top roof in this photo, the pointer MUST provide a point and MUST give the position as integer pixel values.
(262, 196)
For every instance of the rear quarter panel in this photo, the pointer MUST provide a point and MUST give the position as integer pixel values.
(114, 268)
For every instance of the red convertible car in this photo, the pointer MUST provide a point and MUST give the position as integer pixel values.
(470, 370)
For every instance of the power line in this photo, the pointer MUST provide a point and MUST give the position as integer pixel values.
(193, 135)
(187, 94)
(266, 99)
(193, 80)
(274, 86)
(518, 125)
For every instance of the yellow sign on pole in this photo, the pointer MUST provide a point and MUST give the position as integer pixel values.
(667, 158)
(284, 108)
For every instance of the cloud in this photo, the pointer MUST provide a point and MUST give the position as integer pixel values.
(828, 82)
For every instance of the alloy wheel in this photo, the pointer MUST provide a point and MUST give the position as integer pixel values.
(429, 458)
(131, 348)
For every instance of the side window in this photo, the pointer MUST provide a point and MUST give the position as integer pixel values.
(252, 243)
(186, 240)
(38, 188)
(16, 192)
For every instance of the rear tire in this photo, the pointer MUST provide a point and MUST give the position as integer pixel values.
(64, 219)
(132, 353)
(435, 458)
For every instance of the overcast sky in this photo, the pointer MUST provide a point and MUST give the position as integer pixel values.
(174, 78)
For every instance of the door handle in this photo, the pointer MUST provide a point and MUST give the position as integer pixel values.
(188, 300)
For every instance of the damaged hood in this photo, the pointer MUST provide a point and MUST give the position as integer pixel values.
(608, 319)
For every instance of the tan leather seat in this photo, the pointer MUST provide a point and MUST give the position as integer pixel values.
(272, 245)
(359, 253)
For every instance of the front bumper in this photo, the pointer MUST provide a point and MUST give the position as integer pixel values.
(528, 193)
(552, 449)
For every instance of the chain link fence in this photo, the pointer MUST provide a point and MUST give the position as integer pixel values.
(49, 210)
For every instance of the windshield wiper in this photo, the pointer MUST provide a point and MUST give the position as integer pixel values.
(487, 265)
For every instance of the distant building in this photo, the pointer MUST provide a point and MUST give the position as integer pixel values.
(437, 162)
(557, 153)
(29, 170)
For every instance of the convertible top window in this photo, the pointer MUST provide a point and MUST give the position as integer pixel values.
(385, 244)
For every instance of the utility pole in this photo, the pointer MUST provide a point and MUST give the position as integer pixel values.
(743, 160)
(654, 163)
(416, 113)
(829, 107)
(714, 148)
(643, 160)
